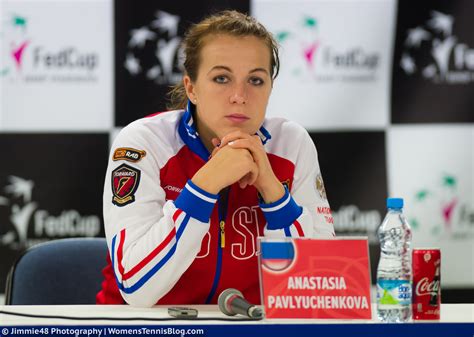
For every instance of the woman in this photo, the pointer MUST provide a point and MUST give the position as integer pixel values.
(188, 191)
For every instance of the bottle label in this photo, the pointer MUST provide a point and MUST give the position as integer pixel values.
(394, 292)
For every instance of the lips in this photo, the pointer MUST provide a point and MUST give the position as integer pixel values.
(237, 118)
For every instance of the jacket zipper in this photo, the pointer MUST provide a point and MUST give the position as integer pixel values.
(222, 226)
(222, 211)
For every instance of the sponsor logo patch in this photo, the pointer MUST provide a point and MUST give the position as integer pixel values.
(129, 154)
(320, 187)
(125, 180)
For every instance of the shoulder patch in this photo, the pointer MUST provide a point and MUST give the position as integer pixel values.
(125, 180)
(129, 154)
(320, 187)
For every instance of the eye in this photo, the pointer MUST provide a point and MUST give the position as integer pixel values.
(221, 79)
(257, 81)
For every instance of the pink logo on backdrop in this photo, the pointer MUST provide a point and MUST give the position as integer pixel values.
(18, 52)
(309, 44)
(15, 28)
(317, 57)
(454, 215)
(309, 53)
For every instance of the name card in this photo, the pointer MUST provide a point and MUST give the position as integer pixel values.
(310, 278)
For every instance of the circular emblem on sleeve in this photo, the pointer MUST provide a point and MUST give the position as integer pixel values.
(320, 186)
(125, 180)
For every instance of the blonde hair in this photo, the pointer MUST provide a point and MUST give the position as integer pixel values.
(228, 22)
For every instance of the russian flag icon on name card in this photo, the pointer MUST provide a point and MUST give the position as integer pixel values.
(277, 256)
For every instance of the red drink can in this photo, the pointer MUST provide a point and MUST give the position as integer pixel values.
(426, 301)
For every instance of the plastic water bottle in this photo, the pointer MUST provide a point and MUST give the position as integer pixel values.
(394, 273)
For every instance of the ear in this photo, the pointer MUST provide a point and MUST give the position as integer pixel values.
(189, 87)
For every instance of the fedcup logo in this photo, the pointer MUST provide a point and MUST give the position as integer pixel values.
(326, 59)
(447, 206)
(309, 45)
(277, 256)
(14, 37)
(30, 224)
(450, 214)
(161, 35)
(449, 60)
(34, 60)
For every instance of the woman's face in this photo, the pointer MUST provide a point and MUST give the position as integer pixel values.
(232, 87)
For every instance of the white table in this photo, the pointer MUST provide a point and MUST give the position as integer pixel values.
(450, 313)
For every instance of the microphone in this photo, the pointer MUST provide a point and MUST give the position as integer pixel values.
(232, 302)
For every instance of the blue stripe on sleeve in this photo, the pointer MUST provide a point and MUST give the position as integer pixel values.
(283, 217)
(194, 205)
(156, 268)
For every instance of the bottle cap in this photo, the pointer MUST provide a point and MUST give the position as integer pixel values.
(394, 203)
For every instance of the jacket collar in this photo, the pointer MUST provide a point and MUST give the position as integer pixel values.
(188, 133)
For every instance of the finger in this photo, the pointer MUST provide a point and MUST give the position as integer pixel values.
(241, 144)
(253, 174)
(216, 149)
(243, 182)
(234, 136)
(250, 178)
(216, 142)
(255, 150)
(257, 139)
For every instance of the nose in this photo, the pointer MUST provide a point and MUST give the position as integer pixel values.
(239, 96)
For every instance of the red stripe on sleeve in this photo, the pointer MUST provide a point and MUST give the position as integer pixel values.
(177, 214)
(120, 251)
(149, 257)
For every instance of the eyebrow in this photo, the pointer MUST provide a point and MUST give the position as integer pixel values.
(219, 67)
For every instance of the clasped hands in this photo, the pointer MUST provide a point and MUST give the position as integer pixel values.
(239, 157)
